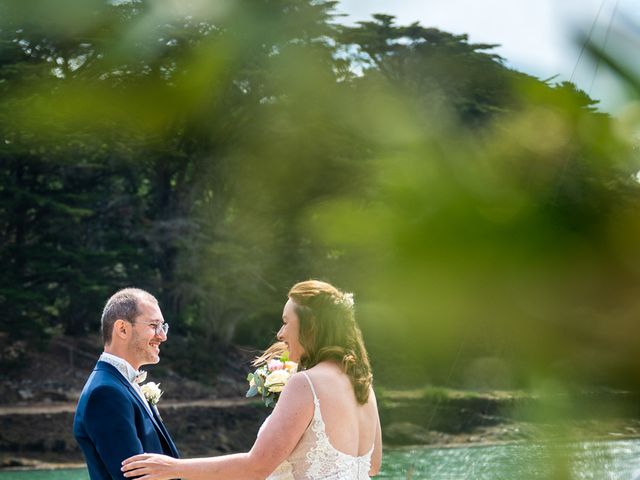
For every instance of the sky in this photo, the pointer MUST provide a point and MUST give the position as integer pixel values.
(538, 37)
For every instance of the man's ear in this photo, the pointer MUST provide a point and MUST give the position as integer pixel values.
(121, 328)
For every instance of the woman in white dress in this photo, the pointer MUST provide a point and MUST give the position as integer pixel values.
(325, 424)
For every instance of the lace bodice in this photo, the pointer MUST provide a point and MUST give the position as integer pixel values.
(314, 458)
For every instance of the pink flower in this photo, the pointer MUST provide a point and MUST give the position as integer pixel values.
(274, 365)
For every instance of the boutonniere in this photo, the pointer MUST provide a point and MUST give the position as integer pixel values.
(151, 392)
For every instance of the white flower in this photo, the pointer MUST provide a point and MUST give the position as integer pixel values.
(152, 392)
(276, 380)
(347, 299)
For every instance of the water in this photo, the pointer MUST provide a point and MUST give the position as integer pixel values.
(612, 460)
(63, 474)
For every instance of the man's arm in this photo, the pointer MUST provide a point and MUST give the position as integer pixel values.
(109, 420)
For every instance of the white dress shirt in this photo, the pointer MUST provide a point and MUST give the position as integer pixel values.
(128, 372)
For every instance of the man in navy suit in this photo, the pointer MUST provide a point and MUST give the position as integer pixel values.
(113, 419)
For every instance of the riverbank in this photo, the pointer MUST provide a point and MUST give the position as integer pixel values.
(446, 417)
(219, 426)
(37, 407)
(498, 436)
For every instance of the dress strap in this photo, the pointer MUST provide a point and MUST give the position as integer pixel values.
(313, 390)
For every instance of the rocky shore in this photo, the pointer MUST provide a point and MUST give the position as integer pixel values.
(37, 405)
(40, 435)
(37, 408)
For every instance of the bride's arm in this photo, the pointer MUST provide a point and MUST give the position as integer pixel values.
(376, 456)
(276, 441)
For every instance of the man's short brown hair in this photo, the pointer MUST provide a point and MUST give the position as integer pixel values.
(123, 305)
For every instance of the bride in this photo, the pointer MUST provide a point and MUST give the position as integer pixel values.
(325, 424)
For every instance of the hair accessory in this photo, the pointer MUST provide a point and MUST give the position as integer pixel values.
(346, 300)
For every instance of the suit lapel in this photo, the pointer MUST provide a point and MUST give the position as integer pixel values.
(156, 421)
(172, 446)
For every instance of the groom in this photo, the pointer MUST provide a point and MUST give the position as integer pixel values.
(113, 419)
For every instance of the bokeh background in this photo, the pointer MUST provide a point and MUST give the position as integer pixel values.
(215, 153)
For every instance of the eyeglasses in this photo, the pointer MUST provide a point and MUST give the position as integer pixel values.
(158, 327)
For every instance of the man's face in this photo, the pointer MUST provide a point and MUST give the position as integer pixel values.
(144, 347)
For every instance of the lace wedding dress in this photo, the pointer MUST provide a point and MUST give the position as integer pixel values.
(314, 458)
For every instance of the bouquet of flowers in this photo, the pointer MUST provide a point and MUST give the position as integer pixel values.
(272, 374)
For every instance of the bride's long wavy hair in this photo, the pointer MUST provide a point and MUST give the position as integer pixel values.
(328, 331)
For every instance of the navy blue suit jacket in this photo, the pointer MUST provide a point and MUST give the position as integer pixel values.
(112, 423)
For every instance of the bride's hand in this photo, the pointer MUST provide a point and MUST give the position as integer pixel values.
(150, 466)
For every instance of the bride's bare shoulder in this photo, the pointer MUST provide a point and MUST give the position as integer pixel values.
(297, 382)
(325, 369)
(328, 373)
(296, 389)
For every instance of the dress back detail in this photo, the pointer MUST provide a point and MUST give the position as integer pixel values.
(315, 458)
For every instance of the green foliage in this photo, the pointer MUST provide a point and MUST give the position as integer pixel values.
(217, 153)
(435, 394)
(439, 71)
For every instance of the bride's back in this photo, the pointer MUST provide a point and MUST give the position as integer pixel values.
(328, 409)
(350, 426)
